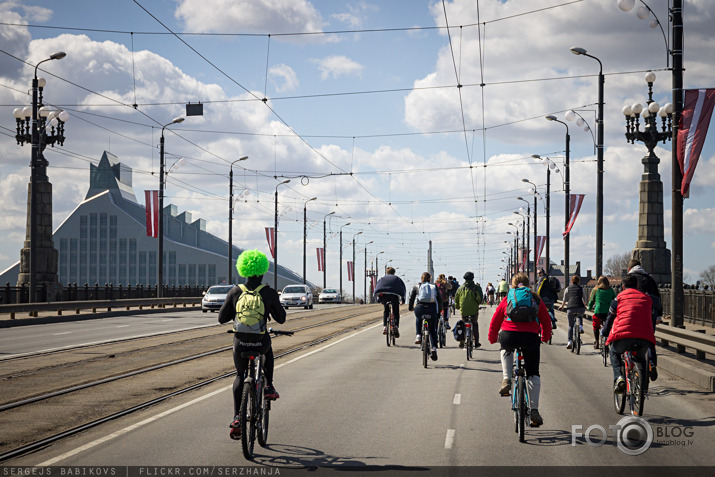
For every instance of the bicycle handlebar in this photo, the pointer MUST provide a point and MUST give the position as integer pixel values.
(271, 331)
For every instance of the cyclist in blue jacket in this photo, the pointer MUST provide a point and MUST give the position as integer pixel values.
(394, 292)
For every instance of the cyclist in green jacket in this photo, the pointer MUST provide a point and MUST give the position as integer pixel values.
(502, 288)
(599, 303)
(467, 300)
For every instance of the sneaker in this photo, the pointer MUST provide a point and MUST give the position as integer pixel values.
(461, 344)
(433, 356)
(384, 330)
(553, 325)
(477, 344)
(446, 326)
(270, 393)
(580, 329)
(505, 387)
(418, 339)
(620, 386)
(536, 419)
(652, 371)
(235, 432)
(396, 332)
(569, 345)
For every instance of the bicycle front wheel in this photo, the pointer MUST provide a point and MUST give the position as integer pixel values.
(638, 383)
(248, 421)
(521, 406)
(264, 416)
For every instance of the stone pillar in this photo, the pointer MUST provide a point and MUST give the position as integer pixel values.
(650, 246)
(45, 252)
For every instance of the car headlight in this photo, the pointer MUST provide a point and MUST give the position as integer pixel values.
(303, 298)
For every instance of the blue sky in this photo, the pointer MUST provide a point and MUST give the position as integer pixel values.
(364, 106)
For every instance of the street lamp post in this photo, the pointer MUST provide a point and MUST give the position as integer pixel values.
(599, 146)
(567, 192)
(536, 251)
(364, 275)
(516, 243)
(549, 165)
(230, 219)
(31, 127)
(528, 231)
(340, 264)
(325, 251)
(376, 264)
(160, 229)
(524, 241)
(354, 264)
(305, 232)
(275, 237)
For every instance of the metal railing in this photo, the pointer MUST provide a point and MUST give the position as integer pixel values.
(96, 306)
(73, 292)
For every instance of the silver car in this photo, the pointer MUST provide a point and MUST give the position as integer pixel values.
(297, 295)
(214, 297)
(329, 295)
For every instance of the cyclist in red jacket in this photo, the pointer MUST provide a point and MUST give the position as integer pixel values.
(629, 323)
(515, 334)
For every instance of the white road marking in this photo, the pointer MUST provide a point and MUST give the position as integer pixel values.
(449, 440)
(59, 334)
(457, 399)
(122, 326)
(190, 403)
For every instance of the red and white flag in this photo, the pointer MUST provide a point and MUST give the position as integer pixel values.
(574, 207)
(694, 123)
(525, 261)
(540, 243)
(350, 271)
(373, 279)
(271, 237)
(151, 198)
(321, 259)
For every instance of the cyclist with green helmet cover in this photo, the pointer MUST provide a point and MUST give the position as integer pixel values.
(252, 265)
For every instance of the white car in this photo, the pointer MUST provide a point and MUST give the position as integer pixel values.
(297, 295)
(214, 297)
(329, 295)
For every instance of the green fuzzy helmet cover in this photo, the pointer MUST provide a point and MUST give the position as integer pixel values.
(252, 263)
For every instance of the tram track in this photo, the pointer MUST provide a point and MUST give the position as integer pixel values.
(80, 405)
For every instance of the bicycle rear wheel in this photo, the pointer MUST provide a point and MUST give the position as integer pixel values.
(577, 343)
(248, 422)
(638, 377)
(392, 331)
(604, 351)
(619, 401)
(522, 406)
(425, 348)
(440, 332)
(388, 333)
(264, 407)
(468, 342)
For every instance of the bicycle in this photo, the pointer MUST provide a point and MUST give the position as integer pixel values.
(604, 349)
(636, 382)
(255, 409)
(425, 339)
(576, 338)
(441, 333)
(468, 339)
(452, 309)
(520, 394)
(390, 332)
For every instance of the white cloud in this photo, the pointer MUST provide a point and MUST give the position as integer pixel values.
(337, 65)
(283, 78)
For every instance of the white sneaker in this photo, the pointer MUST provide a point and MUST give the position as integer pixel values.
(570, 345)
(418, 339)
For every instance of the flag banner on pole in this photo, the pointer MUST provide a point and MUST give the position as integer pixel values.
(350, 271)
(540, 243)
(271, 237)
(373, 279)
(321, 259)
(151, 198)
(693, 127)
(574, 207)
(525, 261)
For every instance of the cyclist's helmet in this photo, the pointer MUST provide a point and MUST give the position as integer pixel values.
(252, 263)
(469, 276)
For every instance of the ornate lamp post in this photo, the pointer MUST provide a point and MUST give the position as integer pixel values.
(32, 127)
(567, 192)
(599, 178)
(650, 248)
(549, 165)
(305, 232)
(275, 238)
(230, 219)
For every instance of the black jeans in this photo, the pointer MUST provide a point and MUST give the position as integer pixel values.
(427, 309)
(531, 342)
(617, 349)
(264, 346)
(395, 300)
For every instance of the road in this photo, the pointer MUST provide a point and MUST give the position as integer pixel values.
(29, 339)
(355, 402)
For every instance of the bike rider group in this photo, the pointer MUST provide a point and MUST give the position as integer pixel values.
(523, 319)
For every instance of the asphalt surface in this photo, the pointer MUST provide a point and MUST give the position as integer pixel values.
(356, 403)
